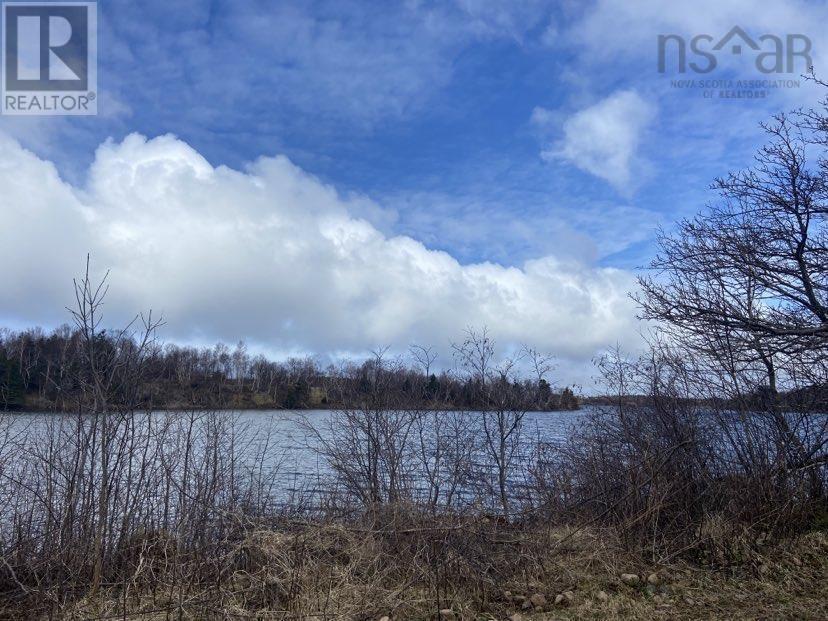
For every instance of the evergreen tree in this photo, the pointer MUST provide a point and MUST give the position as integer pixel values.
(544, 394)
(433, 386)
(568, 400)
(297, 395)
(11, 385)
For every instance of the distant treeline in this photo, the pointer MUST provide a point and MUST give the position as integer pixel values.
(37, 372)
(807, 399)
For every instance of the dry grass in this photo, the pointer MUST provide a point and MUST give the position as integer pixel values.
(785, 581)
(480, 571)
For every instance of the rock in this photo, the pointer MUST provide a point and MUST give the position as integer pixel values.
(564, 599)
(385, 618)
(568, 595)
(447, 614)
(602, 596)
(654, 579)
(516, 617)
(538, 600)
(630, 579)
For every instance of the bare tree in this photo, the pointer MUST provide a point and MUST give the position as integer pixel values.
(540, 366)
(424, 357)
(111, 374)
(368, 443)
(503, 405)
(743, 287)
(756, 263)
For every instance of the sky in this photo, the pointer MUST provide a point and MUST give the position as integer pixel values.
(325, 178)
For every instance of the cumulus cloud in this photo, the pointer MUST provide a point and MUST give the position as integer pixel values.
(603, 139)
(272, 255)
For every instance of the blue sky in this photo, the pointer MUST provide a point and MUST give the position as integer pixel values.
(405, 99)
(500, 133)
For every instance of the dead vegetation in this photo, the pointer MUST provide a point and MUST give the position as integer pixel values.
(477, 571)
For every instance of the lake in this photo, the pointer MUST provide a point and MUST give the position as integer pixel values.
(291, 445)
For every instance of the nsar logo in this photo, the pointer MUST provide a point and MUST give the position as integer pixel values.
(771, 53)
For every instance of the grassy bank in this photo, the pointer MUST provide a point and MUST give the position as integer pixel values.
(471, 569)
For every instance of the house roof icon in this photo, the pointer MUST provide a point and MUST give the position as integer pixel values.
(736, 49)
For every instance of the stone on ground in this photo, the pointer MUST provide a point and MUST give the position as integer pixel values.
(631, 579)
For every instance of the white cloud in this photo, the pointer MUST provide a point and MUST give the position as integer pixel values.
(494, 17)
(568, 227)
(603, 139)
(273, 256)
(315, 63)
(542, 118)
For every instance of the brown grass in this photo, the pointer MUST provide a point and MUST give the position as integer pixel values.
(480, 571)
